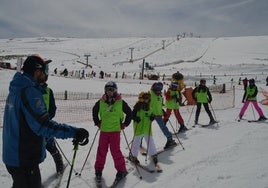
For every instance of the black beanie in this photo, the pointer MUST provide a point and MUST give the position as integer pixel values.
(32, 63)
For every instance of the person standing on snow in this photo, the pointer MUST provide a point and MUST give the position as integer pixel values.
(27, 124)
(250, 95)
(143, 117)
(108, 115)
(172, 103)
(156, 105)
(202, 95)
(49, 100)
(245, 83)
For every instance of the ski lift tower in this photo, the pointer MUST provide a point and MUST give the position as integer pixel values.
(87, 55)
(163, 43)
(131, 55)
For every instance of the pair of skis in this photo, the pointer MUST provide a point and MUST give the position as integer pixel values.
(251, 121)
(143, 151)
(206, 125)
(115, 182)
(157, 168)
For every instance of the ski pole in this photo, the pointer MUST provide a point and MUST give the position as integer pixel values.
(253, 110)
(64, 155)
(213, 113)
(177, 126)
(75, 151)
(87, 154)
(175, 134)
(148, 142)
(131, 153)
(190, 115)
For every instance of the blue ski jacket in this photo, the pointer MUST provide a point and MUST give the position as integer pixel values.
(27, 124)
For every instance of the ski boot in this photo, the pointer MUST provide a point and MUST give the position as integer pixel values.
(58, 162)
(170, 143)
(120, 175)
(212, 121)
(262, 118)
(134, 159)
(240, 117)
(98, 175)
(182, 129)
(155, 160)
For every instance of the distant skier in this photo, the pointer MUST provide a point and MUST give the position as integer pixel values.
(202, 95)
(250, 95)
(239, 81)
(214, 79)
(101, 74)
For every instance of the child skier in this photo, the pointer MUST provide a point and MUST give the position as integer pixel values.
(142, 117)
(250, 95)
(172, 103)
(202, 95)
(156, 105)
(108, 115)
(49, 100)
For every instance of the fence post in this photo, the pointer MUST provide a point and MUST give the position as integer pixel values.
(233, 96)
(65, 95)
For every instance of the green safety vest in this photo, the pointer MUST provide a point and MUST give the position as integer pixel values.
(156, 104)
(143, 127)
(111, 116)
(202, 96)
(250, 92)
(46, 97)
(172, 104)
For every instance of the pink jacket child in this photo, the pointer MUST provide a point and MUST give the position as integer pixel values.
(108, 114)
(250, 95)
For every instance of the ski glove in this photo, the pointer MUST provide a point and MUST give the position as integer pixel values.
(81, 136)
(136, 119)
(152, 117)
(164, 112)
(123, 126)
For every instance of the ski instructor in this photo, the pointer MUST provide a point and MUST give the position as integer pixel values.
(27, 124)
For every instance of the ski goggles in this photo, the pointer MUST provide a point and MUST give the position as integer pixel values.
(109, 89)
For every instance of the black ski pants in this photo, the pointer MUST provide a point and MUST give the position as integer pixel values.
(198, 109)
(25, 177)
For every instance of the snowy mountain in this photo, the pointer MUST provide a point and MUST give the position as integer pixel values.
(230, 154)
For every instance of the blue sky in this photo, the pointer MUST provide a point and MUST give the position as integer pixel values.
(132, 18)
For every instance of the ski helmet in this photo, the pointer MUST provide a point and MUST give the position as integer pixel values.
(251, 81)
(110, 86)
(202, 81)
(157, 86)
